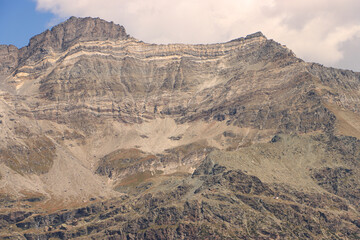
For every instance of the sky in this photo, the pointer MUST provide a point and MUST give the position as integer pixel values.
(323, 31)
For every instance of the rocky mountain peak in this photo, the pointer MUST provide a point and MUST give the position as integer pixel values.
(78, 29)
(68, 33)
(65, 35)
(258, 34)
(255, 35)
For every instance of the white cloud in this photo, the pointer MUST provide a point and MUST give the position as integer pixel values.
(314, 30)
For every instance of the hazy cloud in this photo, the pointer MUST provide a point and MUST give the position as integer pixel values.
(320, 31)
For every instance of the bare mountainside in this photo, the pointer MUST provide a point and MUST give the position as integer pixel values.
(104, 136)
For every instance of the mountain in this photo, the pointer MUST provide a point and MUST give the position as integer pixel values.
(104, 136)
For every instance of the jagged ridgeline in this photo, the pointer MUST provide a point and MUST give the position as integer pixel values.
(103, 136)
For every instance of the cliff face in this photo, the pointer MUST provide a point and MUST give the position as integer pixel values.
(232, 140)
(130, 80)
(8, 58)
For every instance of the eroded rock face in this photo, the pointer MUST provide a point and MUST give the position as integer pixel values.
(8, 58)
(90, 60)
(105, 136)
(89, 70)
